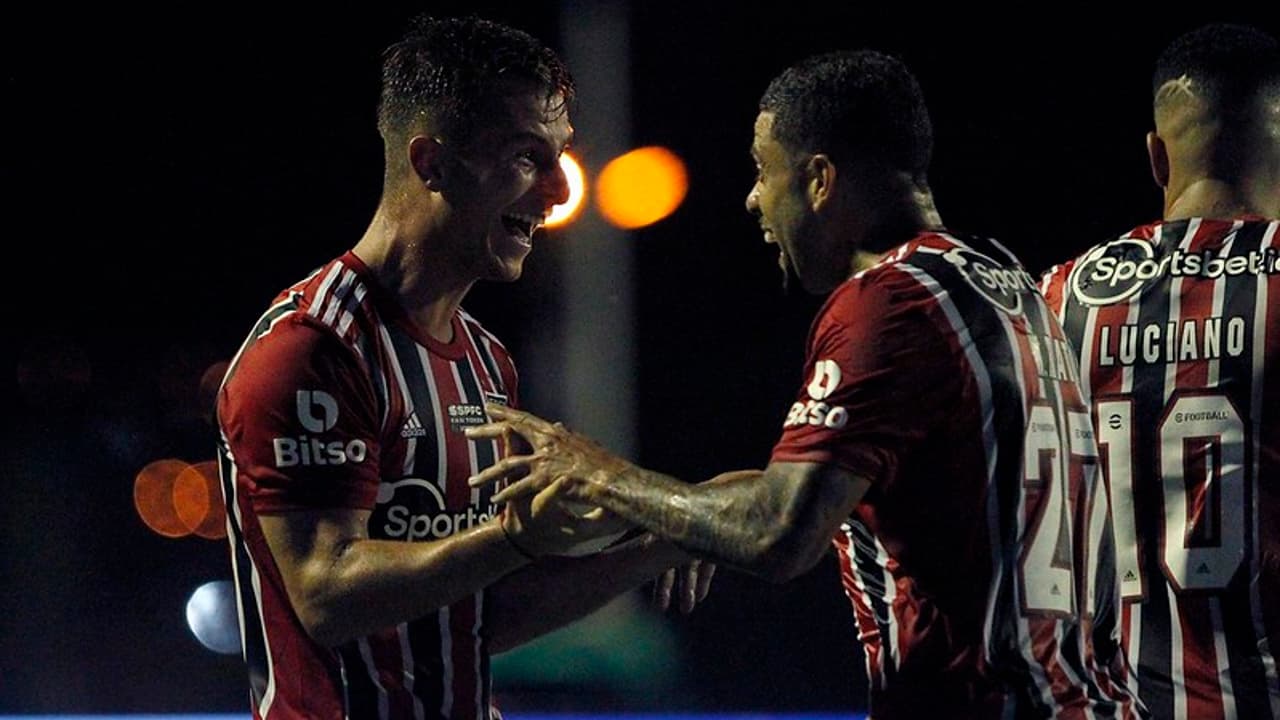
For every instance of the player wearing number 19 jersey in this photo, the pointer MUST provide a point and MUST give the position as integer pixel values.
(1177, 326)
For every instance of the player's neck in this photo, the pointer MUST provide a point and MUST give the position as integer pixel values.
(414, 271)
(1210, 198)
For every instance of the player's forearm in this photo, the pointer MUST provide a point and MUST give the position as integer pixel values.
(367, 585)
(745, 519)
(555, 591)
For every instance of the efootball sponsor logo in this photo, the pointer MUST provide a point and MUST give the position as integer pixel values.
(414, 509)
(814, 411)
(317, 412)
(1120, 269)
(1003, 285)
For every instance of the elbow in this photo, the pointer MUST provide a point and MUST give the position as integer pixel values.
(786, 553)
(321, 623)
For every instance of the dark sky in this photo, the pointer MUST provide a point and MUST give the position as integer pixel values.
(167, 173)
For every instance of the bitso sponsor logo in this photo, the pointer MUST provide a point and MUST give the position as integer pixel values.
(1003, 285)
(414, 509)
(826, 378)
(308, 401)
(317, 412)
(815, 412)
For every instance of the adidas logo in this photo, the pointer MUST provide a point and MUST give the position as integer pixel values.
(1129, 576)
(412, 427)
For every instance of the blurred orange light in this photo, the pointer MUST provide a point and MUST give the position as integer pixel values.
(153, 497)
(641, 187)
(562, 214)
(197, 499)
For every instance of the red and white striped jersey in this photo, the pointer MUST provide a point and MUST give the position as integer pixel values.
(979, 563)
(337, 400)
(1177, 325)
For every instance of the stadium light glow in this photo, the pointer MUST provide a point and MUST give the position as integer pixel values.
(641, 187)
(563, 214)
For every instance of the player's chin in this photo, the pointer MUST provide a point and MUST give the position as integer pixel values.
(506, 268)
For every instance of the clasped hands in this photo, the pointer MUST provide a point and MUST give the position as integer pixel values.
(572, 473)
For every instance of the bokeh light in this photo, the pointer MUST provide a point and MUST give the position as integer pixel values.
(197, 500)
(153, 497)
(641, 187)
(212, 617)
(562, 214)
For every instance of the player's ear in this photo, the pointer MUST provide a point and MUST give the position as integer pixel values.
(426, 154)
(820, 180)
(1159, 157)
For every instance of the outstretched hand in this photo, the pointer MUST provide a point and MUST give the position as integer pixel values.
(578, 466)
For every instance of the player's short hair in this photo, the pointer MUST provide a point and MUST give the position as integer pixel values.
(854, 106)
(438, 74)
(1228, 64)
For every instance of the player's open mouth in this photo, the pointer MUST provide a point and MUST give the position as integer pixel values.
(522, 226)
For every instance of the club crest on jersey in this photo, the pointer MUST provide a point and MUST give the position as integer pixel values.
(1114, 272)
(1002, 285)
(464, 415)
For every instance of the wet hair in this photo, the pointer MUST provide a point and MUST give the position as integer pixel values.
(853, 106)
(1228, 65)
(440, 72)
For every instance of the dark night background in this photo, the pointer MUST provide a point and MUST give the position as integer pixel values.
(167, 171)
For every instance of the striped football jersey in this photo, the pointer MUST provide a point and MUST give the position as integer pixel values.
(1177, 325)
(979, 563)
(336, 400)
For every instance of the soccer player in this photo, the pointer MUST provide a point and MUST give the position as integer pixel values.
(939, 439)
(1177, 324)
(372, 581)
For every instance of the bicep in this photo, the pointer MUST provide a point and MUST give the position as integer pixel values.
(305, 544)
(816, 499)
(824, 493)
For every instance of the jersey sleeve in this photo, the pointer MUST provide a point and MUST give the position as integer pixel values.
(879, 375)
(1053, 285)
(299, 419)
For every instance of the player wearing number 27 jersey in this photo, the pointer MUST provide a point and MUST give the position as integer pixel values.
(1177, 326)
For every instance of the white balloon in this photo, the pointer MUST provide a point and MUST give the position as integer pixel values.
(211, 615)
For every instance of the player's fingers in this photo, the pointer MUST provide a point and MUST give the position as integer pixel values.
(662, 589)
(706, 571)
(504, 467)
(525, 423)
(488, 431)
(516, 490)
(548, 494)
(688, 587)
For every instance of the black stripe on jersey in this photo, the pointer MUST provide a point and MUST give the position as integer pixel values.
(1236, 376)
(1148, 405)
(369, 347)
(428, 670)
(254, 650)
(361, 693)
(486, 678)
(416, 370)
(985, 324)
(485, 352)
(1246, 670)
(471, 390)
(862, 545)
